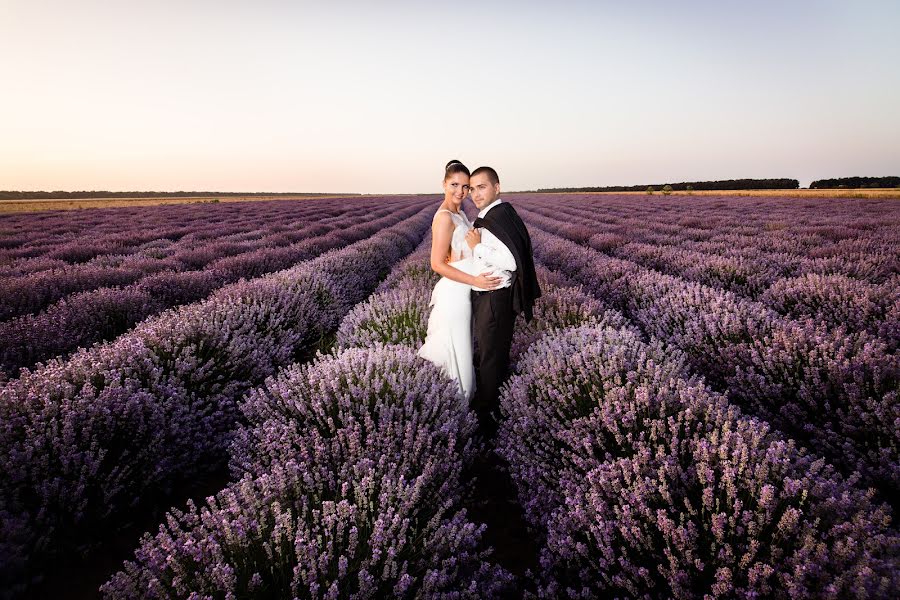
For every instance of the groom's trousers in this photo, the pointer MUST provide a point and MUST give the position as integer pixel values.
(492, 328)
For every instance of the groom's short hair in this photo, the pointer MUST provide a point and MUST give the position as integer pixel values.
(491, 174)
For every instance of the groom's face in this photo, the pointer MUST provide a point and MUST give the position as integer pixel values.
(483, 191)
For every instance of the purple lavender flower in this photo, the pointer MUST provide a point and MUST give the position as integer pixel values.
(644, 483)
(760, 357)
(81, 319)
(114, 428)
(350, 488)
(393, 316)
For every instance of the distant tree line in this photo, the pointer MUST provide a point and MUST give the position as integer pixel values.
(856, 183)
(14, 195)
(725, 184)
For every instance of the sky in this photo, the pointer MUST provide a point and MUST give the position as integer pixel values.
(376, 97)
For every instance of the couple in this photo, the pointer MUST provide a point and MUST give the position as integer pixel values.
(487, 279)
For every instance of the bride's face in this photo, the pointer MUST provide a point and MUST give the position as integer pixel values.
(456, 187)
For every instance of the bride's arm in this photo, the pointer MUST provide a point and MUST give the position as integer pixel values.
(441, 232)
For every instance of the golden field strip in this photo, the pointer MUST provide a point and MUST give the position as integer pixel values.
(804, 193)
(40, 204)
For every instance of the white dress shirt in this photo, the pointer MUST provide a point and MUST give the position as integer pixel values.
(492, 255)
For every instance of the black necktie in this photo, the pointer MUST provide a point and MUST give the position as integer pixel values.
(479, 222)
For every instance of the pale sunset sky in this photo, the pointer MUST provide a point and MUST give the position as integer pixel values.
(376, 97)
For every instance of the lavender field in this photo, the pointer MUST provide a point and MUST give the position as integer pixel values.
(224, 401)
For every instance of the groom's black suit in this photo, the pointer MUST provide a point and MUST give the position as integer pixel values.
(494, 313)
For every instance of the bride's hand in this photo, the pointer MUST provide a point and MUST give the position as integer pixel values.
(486, 281)
(473, 237)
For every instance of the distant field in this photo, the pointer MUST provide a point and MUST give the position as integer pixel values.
(18, 206)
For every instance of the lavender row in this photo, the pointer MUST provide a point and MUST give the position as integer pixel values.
(770, 225)
(748, 262)
(199, 228)
(76, 236)
(397, 313)
(835, 390)
(797, 229)
(641, 482)
(164, 242)
(350, 488)
(834, 298)
(24, 293)
(837, 300)
(86, 442)
(101, 314)
(868, 253)
(30, 284)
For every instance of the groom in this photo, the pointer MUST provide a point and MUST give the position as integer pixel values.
(501, 244)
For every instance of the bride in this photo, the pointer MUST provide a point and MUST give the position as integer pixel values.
(448, 342)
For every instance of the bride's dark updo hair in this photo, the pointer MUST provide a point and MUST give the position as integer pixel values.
(453, 167)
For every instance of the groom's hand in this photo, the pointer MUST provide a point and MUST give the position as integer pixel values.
(473, 237)
(487, 281)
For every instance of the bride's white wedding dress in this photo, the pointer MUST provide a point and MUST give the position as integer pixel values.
(448, 342)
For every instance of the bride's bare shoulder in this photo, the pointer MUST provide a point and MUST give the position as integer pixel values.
(442, 218)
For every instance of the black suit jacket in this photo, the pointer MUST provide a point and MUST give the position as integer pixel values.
(504, 222)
